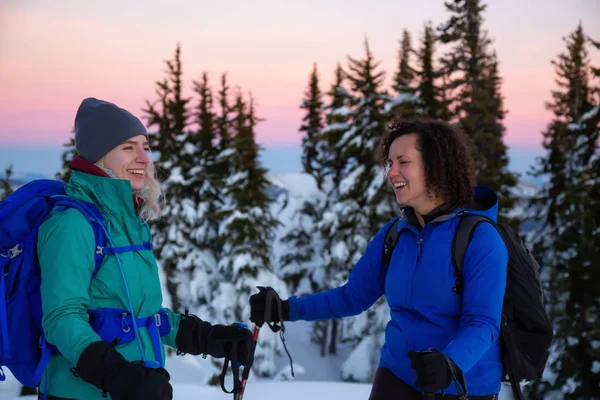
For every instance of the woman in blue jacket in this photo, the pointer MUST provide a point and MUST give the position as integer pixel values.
(430, 167)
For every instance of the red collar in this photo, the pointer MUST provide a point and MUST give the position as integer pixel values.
(80, 164)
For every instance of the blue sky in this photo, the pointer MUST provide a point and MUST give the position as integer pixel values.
(54, 54)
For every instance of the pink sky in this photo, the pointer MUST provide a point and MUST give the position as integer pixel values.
(56, 53)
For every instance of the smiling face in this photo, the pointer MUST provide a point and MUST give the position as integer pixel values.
(406, 174)
(129, 161)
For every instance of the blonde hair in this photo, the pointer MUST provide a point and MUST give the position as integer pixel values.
(151, 194)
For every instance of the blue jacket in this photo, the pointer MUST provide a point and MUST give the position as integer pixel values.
(425, 311)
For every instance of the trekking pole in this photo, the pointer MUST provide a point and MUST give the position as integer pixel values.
(246, 373)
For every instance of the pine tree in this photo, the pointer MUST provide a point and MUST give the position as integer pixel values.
(299, 264)
(224, 130)
(199, 206)
(337, 123)
(220, 311)
(568, 105)
(363, 196)
(337, 118)
(312, 125)
(205, 173)
(170, 116)
(363, 187)
(404, 104)
(405, 74)
(219, 257)
(224, 121)
(493, 156)
(432, 102)
(67, 156)
(579, 244)
(6, 187)
(568, 241)
(247, 230)
(475, 83)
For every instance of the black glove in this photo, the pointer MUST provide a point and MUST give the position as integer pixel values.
(222, 339)
(260, 310)
(200, 337)
(433, 371)
(104, 367)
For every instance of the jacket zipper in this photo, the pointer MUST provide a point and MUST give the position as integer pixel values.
(419, 241)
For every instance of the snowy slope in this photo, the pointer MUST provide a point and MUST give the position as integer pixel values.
(308, 364)
(289, 191)
(265, 390)
(185, 373)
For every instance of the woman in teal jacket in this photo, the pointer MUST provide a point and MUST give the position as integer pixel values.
(430, 169)
(88, 320)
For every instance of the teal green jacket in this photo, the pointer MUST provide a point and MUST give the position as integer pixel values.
(66, 248)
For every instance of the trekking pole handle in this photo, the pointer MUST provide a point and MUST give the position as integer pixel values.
(246, 373)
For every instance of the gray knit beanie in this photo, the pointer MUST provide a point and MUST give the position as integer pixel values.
(101, 126)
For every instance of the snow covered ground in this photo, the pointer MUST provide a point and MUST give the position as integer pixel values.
(270, 391)
(315, 377)
(267, 391)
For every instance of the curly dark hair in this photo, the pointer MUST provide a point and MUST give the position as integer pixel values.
(447, 157)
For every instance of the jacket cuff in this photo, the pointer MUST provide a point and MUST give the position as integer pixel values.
(97, 362)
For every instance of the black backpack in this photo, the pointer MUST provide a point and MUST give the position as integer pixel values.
(526, 331)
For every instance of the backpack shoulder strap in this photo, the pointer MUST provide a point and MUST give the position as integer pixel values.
(462, 237)
(94, 217)
(391, 239)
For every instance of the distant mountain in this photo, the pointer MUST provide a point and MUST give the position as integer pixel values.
(19, 179)
(24, 177)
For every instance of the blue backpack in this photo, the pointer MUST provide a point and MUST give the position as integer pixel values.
(23, 347)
